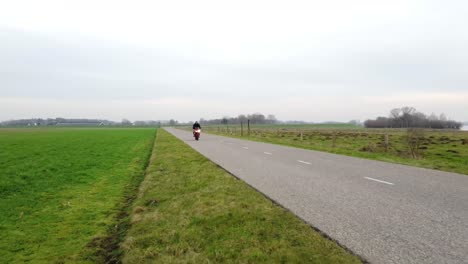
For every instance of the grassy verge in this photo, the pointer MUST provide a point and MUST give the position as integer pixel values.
(61, 189)
(189, 210)
(445, 150)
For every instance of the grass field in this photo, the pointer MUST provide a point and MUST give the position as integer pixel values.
(189, 210)
(445, 150)
(61, 190)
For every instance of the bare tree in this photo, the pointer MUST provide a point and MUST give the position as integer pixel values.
(419, 120)
(271, 119)
(408, 117)
(242, 118)
(433, 117)
(257, 118)
(395, 114)
(443, 117)
(224, 121)
(414, 139)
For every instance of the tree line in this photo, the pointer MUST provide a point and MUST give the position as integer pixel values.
(409, 117)
(256, 118)
(54, 122)
(79, 122)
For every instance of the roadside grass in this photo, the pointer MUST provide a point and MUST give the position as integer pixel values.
(445, 150)
(60, 189)
(297, 126)
(189, 210)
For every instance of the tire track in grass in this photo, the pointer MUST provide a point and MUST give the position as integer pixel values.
(107, 248)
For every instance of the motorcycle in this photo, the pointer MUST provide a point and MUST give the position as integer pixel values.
(196, 133)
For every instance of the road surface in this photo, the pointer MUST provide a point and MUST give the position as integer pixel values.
(384, 212)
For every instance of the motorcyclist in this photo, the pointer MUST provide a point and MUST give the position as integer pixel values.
(196, 125)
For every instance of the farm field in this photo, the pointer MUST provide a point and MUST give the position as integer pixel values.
(67, 195)
(188, 210)
(445, 150)
(61, 190)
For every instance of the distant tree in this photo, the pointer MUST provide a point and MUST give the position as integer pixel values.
(354, 122)
(153, 123)
(140, 123)
(433, 117)
(257, 118)
(443, 117)
(408, 117)
(271, 119)
(419, 119)
(380, 122)
(126, 122)
(396, 117)
(242, 118)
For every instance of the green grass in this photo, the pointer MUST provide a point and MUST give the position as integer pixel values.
(301, 126)
(60, 189)
(445, 150)
(188, 210)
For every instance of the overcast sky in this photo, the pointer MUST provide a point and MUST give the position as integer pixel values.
(299, 60)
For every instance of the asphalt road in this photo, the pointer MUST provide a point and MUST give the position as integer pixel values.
(386, 213)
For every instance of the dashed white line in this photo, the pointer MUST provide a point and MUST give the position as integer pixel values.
(245, 147)
(268, 153)
(305, 162)
(372, 179)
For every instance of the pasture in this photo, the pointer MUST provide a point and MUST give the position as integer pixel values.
(62, 190)
(445, 150)
(73, 195)
(189, 210)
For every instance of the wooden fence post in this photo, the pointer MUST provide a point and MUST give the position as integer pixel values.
(386, 142)
(242, 129)
(334, 139)
(248, 127)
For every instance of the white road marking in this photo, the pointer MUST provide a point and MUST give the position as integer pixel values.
(372, 179)
(245, 147)
(305, 162)
(268, 153)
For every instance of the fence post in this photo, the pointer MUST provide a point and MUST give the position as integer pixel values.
(302, 137)
(386, 142)
(248, 127)
(242, 130)
(334, 139)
